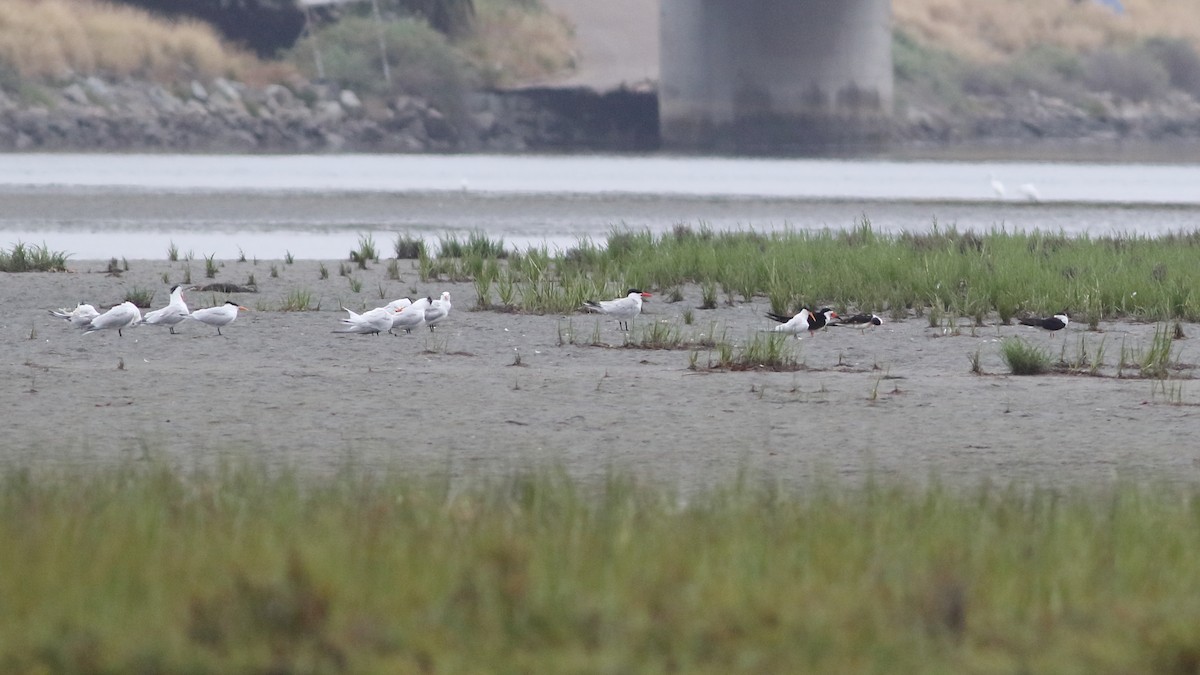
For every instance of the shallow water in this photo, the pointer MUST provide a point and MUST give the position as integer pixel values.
(100, 206)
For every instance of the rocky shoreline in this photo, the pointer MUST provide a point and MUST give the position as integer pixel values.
(93, 114)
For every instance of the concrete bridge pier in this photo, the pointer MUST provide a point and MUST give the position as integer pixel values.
(775, 76)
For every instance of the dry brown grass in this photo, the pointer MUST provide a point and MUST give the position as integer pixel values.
(513, 45)
(996, 29)
(54, 38)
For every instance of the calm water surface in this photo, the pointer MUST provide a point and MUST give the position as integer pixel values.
(98, 206)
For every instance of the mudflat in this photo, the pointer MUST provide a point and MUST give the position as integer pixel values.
(492, 392)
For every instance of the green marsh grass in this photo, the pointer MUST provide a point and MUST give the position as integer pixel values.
(210, 266)
(1024, 358)
(963, 273)
(243, 570)
(408, 247)
(299, 300)
(25, 258)
(762, 351)
(322, 271)
(172, 252)
(366, 252)
(142, 297)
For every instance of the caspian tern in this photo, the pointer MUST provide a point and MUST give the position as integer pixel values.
(171, 315)
(121, 316)
(793, 326)
(1050, 323)
(368, 323)
(80, 317)
(622, 309)
(438, 310)
(221, 315)
(411, 317)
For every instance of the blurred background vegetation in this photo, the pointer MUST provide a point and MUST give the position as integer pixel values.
(949, 54)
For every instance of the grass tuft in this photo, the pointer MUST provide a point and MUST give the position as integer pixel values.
(1023, 358)
(25, 258)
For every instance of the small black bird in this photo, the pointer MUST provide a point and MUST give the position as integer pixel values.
(1050, 323)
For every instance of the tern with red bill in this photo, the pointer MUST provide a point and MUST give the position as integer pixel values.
(622, 309)
(221, 315)
(171, 315)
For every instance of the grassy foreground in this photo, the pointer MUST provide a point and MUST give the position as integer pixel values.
(152, 570)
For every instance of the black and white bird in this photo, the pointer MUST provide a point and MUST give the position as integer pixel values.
(221, 315)
(622, 309)
(121, 316)
(793, 326)
(171, 315)
(863, 319)
(814, 320)
(1050, 323)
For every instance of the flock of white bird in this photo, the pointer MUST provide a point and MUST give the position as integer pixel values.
(402, 314)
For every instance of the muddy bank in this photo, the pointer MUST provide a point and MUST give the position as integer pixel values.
(494, 391)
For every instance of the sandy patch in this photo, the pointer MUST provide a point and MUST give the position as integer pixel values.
(898, 400)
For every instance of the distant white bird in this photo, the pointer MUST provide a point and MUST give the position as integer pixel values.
(622, 309)
(1031, 192)
(997, 187)
(371, 322)
(122, 316)
(221, 315)
(411, 317)
(80, 317)
(438, 310)
(801, 321)
(171, 315)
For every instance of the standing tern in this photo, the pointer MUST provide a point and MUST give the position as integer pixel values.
(221, 315)
(171, 315)
(121, 316)
(438, 310)
(412, 316)
(371, 322)
(622, 309)
(80, 317)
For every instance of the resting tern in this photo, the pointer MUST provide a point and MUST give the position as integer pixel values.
(1050, 323)
(368, 323)
(438, 310)
(171, 315)
(412, 316)
(397, 305)
(621, 309)
(121, 316)
(221, 315)
(80, 317)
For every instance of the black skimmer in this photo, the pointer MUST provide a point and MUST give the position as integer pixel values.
(815, 320)
(1050, 323)
(797, 323)
(861, 319)
(621, 309)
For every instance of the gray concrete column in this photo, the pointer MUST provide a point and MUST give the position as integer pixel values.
(775, 76)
